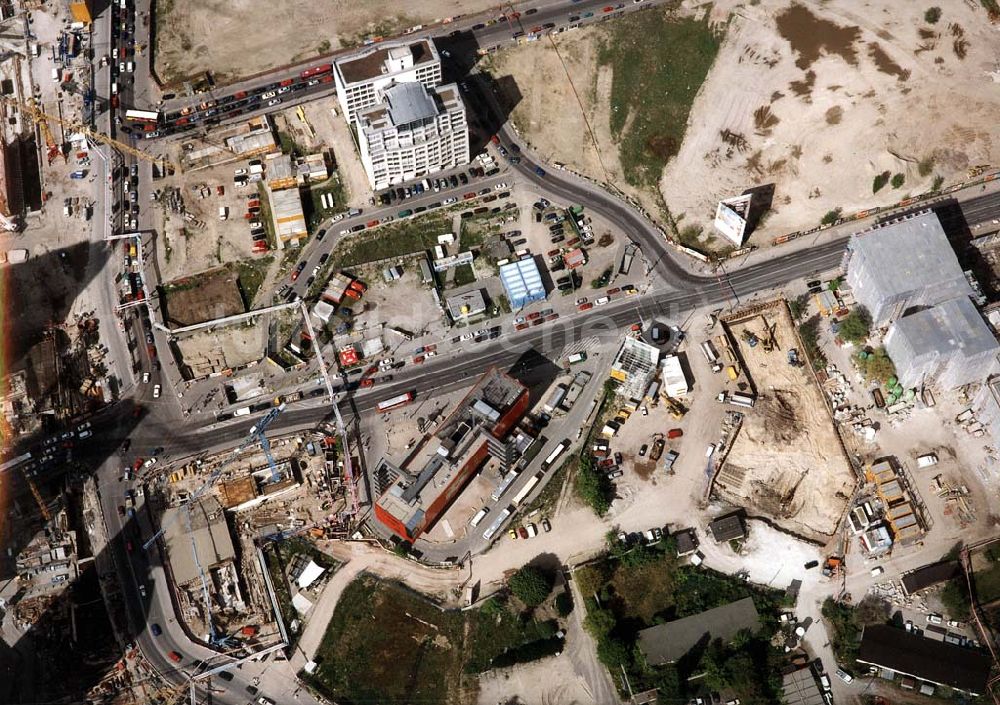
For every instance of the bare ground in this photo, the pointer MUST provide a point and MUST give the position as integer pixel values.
(786, 462)
(814, 120)
(218, 35)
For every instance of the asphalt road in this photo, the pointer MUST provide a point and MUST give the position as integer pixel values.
(162, 425)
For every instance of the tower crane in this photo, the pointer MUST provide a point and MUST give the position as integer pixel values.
(252, 437)
(42, 119)
(352, 490)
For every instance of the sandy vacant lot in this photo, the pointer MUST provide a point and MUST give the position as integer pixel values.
(218, 35)
(786, 462)
(815, 102)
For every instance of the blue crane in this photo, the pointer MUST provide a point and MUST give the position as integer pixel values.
(251, 438)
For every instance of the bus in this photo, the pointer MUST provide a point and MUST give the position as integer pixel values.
(526, 490)
(316, 71)
(145, 116)
(395, 402)
(554, 455)
(503, 486)
(480, 515)
(497, 523)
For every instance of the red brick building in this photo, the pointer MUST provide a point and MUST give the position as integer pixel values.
(477, 429)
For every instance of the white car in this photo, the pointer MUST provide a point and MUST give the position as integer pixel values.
(149, 463)
(601, 301)
(877, 571)
(284, 89)
(501, 186)
(145, 378)
(240, 172)
(467, 336)
(85, 434)
(274, 101)
(269, 94)
(130, 67)
(156, 391)
(448, 201)
(844, 676)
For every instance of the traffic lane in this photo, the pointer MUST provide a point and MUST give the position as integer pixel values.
(558, 185)
(156, 608)
(335, 230)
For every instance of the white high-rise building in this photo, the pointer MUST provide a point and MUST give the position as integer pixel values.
(362, 77)
(413, 132)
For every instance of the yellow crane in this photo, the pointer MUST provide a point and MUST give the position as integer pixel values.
(43, 118)
(38, 498)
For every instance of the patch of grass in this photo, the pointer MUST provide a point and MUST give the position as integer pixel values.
(393, 240)
(464, 274)
(313, 208)
(252, 273)
(932, 15)
(659, 63)
(925, 166)
(831, 217)
(278, 556)
(988, 583)
(265, 216)
(879, 182)
(324, 46)
(938, 183)
(992, 8)
(385, 643)
(809, 334)
(289, 145)
(842, 620)
(643, 586)
(593, 486)
(897, 180)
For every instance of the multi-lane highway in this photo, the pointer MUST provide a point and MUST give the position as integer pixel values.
(677, 292)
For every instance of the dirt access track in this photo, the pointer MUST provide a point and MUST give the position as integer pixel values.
(786, 463)
(239, 38)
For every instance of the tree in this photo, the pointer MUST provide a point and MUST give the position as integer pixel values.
(875, 364)
(593, 486)
(879, 181)
(530, 585)
(856, 326)
(798, 306)
(955, 599)
(831, 217)
(564, 603)
(932, 15)
(897, 180)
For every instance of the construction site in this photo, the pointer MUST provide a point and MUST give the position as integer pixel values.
(220, 514)
(784, 461)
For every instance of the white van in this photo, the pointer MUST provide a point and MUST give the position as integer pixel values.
(55, 75)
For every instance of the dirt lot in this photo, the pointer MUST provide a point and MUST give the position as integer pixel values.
(202, 297)
(212, 35)
(222, 348)
(786, 462)
(816, 119)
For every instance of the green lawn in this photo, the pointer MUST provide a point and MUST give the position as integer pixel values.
(252, 273)
(313, 205)
(387, 644)
(392, 240)
(659, 64)
(464, 275)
